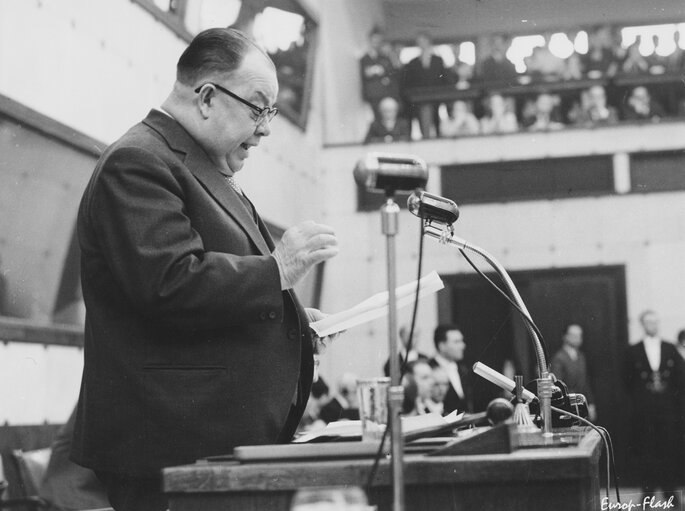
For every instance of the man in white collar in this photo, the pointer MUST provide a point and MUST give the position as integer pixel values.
(656, 379)
(449, 347)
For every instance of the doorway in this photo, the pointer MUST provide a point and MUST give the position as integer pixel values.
(593, 297)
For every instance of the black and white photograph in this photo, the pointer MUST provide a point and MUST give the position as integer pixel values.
(342, 255)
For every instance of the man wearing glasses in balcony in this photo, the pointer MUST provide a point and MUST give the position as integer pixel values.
(194, 340)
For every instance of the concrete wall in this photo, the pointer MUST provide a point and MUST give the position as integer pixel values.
(644, 232)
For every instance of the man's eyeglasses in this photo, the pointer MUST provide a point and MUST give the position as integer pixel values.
(263, 114)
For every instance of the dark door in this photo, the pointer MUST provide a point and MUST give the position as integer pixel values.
(593, 297)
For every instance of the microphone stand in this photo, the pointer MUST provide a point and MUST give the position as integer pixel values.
(445, 235)
(389, 221)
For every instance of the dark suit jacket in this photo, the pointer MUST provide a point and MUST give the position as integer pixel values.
(191, 347)
(452, 400)
(574, 373)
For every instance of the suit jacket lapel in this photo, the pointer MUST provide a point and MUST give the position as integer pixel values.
(203, 169)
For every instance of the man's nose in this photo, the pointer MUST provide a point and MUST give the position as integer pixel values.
(263, 129)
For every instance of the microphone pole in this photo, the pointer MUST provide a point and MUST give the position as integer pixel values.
(389, 173)
(389, 223)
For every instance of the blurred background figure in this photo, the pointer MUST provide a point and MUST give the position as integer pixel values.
(634, 62)
(426, 70)
(420, 376)
(405, 357)
(66, 485)
(388, 126)
(318, 397)
(546, 115)
(641, 106)
(499, 115)
(461, 121)
(495, 67)
(570, 366)
(441, 384)
(600, 60)
(460, 74)
(681, 343)
(655, 379)
(450, 347)
(543, 64)
(675, 62)
(380, 77)
(344, 405)
(595, 110)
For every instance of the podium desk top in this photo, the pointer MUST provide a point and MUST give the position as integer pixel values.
(541, 464)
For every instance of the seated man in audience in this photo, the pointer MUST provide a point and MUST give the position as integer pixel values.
(641, 106)
(441, 384)
(344, 404)
(596, 111)
(421, 373)
(499, 116)
(388, 126)
(460, 122)
(546, 117)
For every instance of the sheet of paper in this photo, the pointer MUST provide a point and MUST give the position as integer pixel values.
(353, 428)
(376, 306)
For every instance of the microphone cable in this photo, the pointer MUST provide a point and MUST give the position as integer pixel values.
(403, 364)
(523, 314)
(608, 446)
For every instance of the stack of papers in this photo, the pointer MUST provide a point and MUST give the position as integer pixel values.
(411, 427)
(376, 306)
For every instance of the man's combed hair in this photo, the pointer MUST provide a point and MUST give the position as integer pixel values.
(440, 333)
(213, 51)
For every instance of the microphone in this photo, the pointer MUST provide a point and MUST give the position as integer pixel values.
(433, 207)
(391, 172)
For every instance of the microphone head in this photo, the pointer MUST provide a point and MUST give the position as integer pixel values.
(391, 172)
(433, 207)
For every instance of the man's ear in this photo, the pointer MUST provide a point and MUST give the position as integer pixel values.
(205, 96)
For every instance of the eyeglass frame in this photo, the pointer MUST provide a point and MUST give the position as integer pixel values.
(263, 114)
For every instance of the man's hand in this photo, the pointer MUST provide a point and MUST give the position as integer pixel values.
(302, 247)
(320, 343)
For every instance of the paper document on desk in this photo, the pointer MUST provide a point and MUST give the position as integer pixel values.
(352, 429)
(376, 306)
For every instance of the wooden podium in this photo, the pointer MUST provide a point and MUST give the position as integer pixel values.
(540, 478)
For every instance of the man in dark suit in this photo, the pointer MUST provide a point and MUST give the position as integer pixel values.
(194, 340)
(570, 366)
(656, 382)
(450, 347)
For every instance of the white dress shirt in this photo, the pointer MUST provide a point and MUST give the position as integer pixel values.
(452, 371)
(653, 351)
